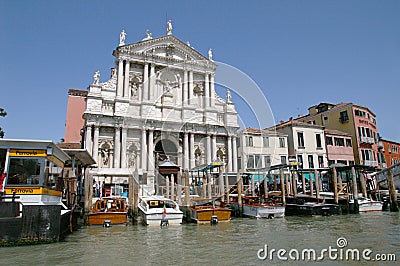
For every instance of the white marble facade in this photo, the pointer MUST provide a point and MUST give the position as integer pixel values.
(160, 101)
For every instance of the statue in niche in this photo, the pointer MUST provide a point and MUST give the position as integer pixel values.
(169, 27)
(122, 36)
(197, 155)
(134, 85)
(198, 89)
(132, 159)
(96, 77)
(105, 157)
(220, 155)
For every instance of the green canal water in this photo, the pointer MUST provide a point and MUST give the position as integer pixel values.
(235, 243)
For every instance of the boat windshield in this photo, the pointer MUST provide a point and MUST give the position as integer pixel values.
(160, 204)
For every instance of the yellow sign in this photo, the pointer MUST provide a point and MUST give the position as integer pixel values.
(28, 153)
(32, 191)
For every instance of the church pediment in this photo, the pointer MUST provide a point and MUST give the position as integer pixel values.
(168, 47)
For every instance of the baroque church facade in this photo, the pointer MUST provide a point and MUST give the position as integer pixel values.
(159, 104)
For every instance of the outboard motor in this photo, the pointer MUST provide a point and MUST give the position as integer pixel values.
(214, 219)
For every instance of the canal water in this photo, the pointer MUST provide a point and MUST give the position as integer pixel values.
(239, 242)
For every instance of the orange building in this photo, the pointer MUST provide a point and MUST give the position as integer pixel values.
(356, 120)
(74, 121)
(389, 152)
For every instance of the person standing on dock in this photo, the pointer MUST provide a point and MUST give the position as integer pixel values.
(2, 178)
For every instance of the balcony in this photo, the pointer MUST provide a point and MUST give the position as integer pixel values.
(368, 140)
(371, 163)
(381, 146)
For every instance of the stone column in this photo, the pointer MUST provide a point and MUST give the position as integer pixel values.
(126, 79)
(144, 149)
(145, 84)
(185, 88)
(152, 81)
(120, 80)
(150, 163)
(185, 151)
(212, 93)
(213, 147)
(191, 145)
(117, 147)
(88, 138)
(208, 149)
(95, 153)
(206, 91)
(124, 163)
(234, 155)
(229, 157)
(191, 99)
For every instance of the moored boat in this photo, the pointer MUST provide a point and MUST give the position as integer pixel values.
(208, 213)
(158, 210)
(367, 205)
(108, 211)
(307, 205)
(259, 207)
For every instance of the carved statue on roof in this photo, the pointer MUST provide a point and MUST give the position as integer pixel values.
(96, 77)
(228, 96)
(148, 36)
(169, 27)
(210, 54)
(122, 36)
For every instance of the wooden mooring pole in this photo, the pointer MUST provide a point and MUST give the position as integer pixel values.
(239, 190)
(355, 191)
(317, 182)
(335, 186)
(186, 189)
(282, 186)
(392, 192)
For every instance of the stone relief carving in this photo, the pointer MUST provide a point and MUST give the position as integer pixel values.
(108, 107)
(121, 108)
(94, 105)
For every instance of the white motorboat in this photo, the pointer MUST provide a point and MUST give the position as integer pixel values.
(368, 205)
(160, 211)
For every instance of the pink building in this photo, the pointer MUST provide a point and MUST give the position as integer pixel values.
(74, 121)
(339, 147)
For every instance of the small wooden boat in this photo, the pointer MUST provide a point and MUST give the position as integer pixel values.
(204, 210)
(160, 211)
(108, 211)
(259, 207)
(207, 214)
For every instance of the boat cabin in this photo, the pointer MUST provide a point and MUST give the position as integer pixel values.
(32, 170)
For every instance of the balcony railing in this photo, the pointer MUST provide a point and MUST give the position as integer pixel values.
(368, 140)
(371, 163)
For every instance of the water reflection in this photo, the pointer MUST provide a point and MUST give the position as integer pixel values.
(232, 243)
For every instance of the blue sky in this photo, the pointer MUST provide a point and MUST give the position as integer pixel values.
(300, 53)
